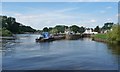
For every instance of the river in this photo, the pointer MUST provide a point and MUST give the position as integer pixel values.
(83, 54)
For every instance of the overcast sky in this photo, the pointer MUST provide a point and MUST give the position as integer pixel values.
(48, 14)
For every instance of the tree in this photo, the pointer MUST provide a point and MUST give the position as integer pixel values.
(45, 29)
(5, 32)
(10, 24)
(23, 29)
(114, 35)
(107, 26)
(66, 27)
(60, 28)
(75, 28)
(97, 29)
(54, 31)
(82, 29)
(50, 28)
(3, 20)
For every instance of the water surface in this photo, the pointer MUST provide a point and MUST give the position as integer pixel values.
(83, 54)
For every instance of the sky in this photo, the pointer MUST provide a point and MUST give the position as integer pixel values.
(60, 0)
(49, 14)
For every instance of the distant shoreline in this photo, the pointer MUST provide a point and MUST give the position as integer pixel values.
(8, 37)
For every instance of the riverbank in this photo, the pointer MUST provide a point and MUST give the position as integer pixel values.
(103, 38)
(100, 38)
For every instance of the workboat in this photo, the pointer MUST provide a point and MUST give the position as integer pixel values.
(45, 37)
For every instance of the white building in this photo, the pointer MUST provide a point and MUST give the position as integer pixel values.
(68, 31)
(89, 31)
(106, 31)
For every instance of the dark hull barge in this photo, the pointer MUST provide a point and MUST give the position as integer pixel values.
(45, 40)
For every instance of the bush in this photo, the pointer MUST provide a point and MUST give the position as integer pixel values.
(54, 31)
(5, 32)
(114, 35)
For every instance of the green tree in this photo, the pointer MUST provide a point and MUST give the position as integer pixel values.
(82, 29)
(50, 28)
(14, 27)
(75, 28)
(54, 31)
(23, 29)
(97, 29)
(45, 29)
(61, 28)
(3, 21)
(107, 26)
(114, 35)
(5, 32)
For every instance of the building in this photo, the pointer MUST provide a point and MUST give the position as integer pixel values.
(89, 31)
(68, 31)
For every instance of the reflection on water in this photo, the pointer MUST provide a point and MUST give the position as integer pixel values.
(44, 47)
(84, 54)
(0, 61)
(116, 51)
(114, 48)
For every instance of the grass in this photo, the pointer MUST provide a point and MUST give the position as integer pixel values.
(105, 37)
(101, 36)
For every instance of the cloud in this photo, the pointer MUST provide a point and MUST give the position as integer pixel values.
(109, 20)
(109, 7)
(39, 21)
(17, 14)
(46, 18)
(58, 17)
(67, 9)
(93, 21)
(41, 18)
(105, 10)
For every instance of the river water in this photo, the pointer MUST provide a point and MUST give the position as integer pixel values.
(83, 54)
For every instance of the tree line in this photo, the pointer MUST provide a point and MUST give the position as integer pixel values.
(62, 28)
(76, 29)
(10, 25)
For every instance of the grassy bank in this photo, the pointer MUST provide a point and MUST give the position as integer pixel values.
(104, 38)
(100, 37)
(111, 37)
(114, 35)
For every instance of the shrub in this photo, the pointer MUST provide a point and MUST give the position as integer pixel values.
(114, 35)
(5, 32)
